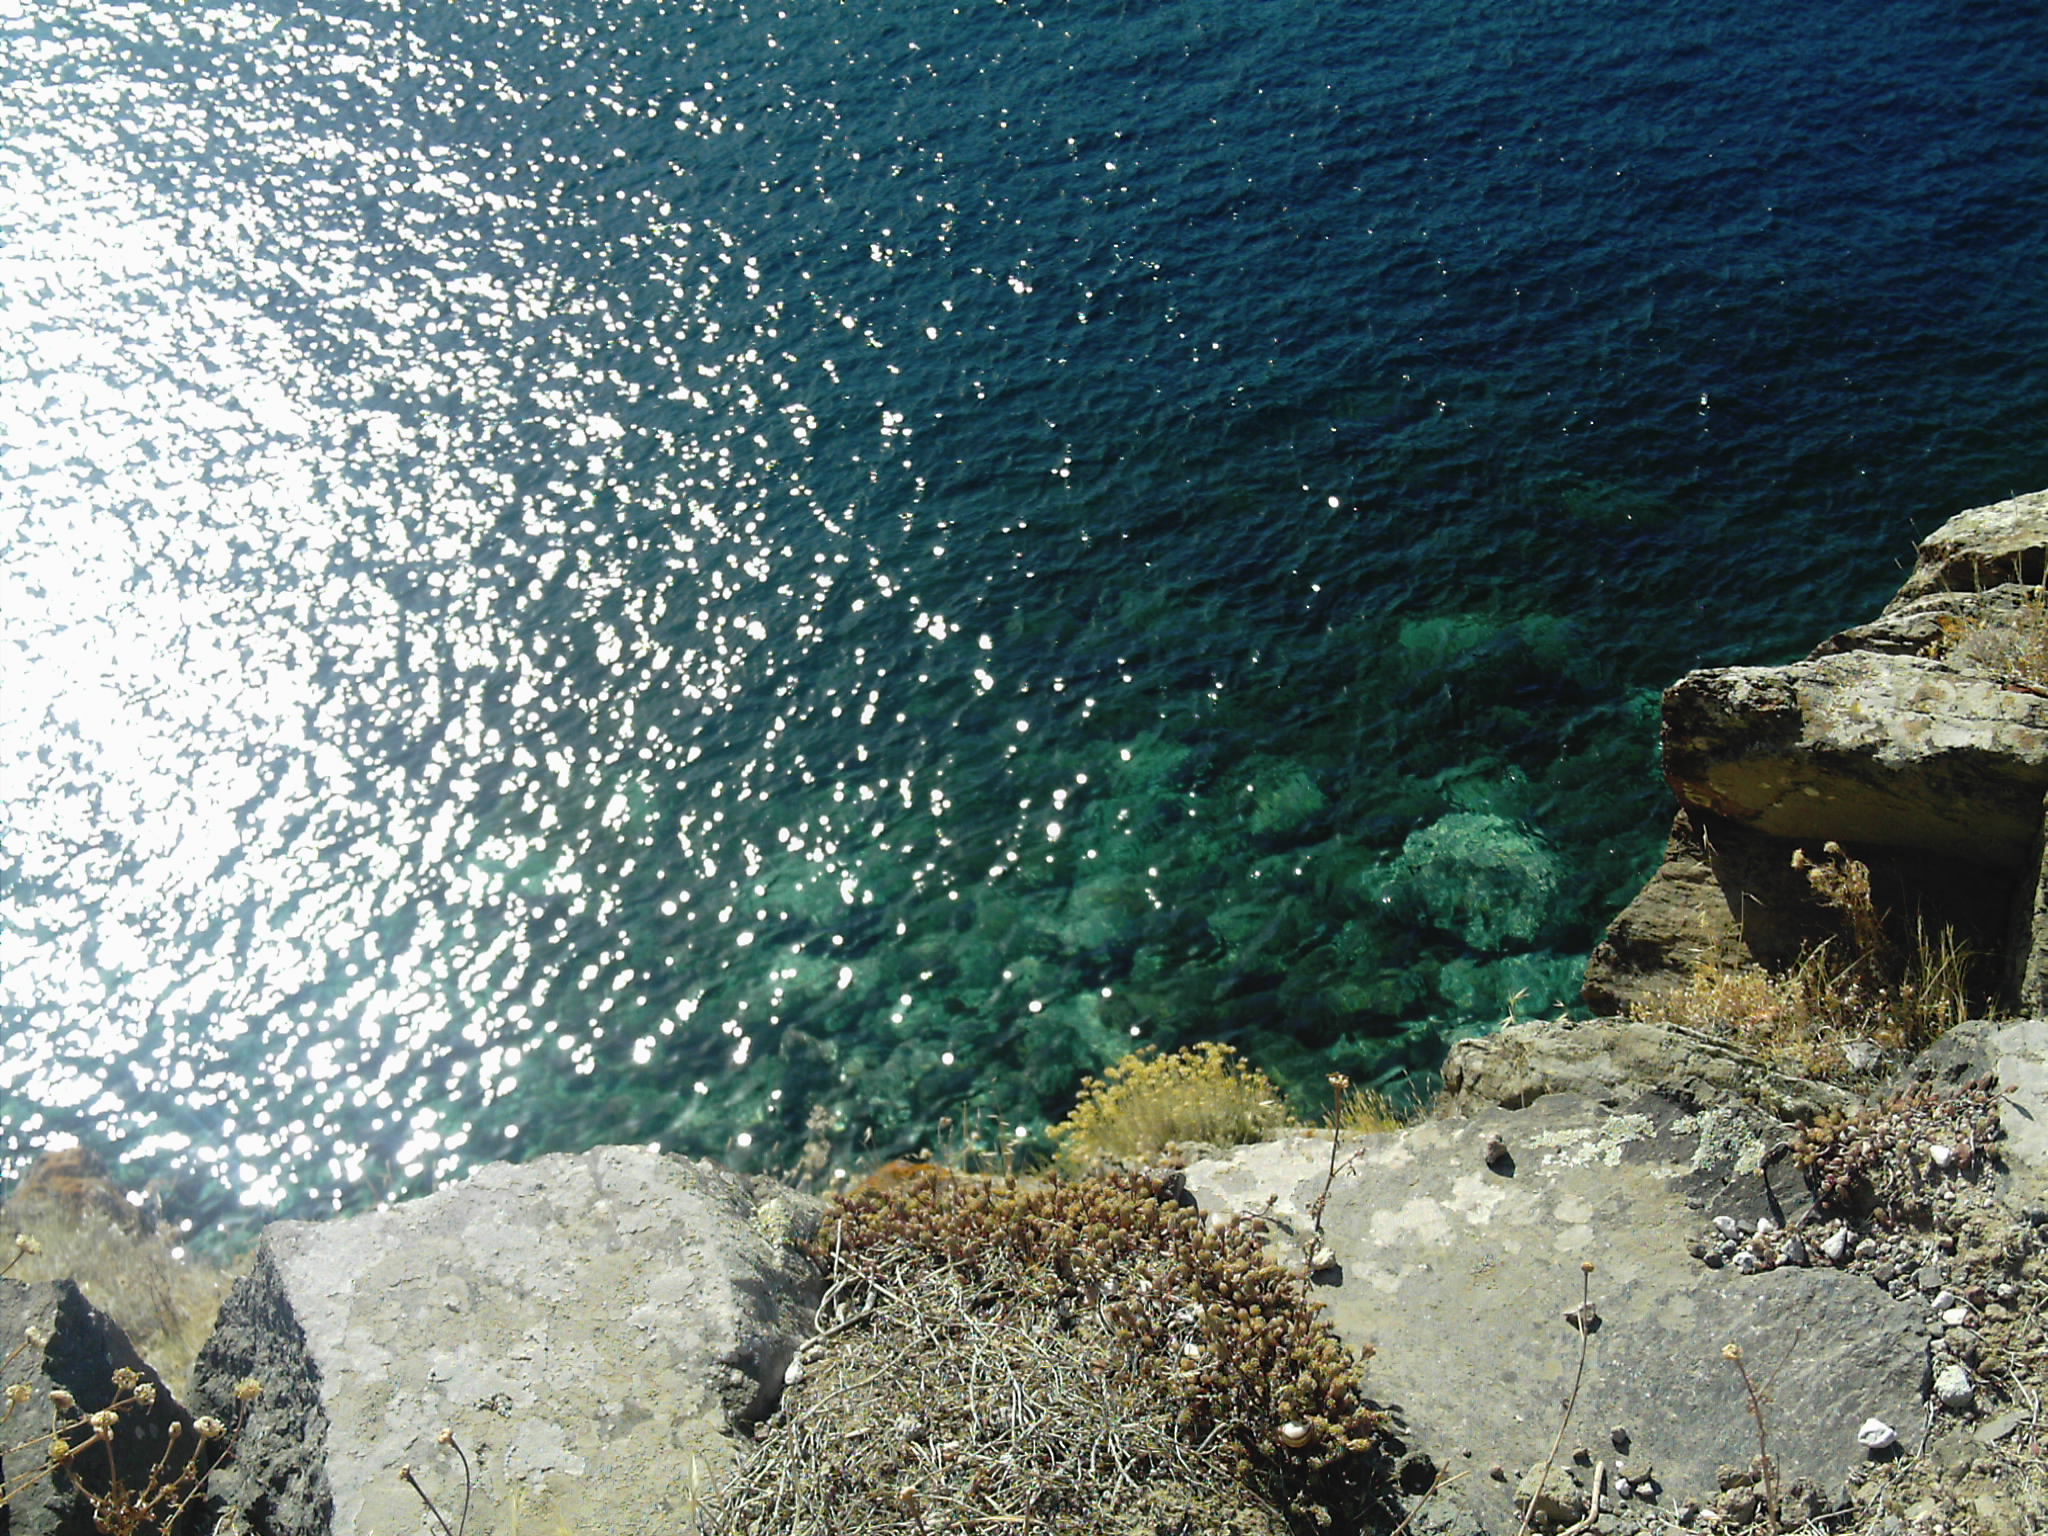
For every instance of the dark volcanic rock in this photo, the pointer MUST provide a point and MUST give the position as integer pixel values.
(83, 1351)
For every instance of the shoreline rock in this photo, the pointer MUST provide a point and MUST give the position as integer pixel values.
(1900, 740)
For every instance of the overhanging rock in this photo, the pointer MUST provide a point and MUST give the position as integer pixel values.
(1864, 747)
(591, 1327)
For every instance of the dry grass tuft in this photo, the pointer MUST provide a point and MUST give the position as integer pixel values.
(1146, 1103)
(1851, 1006)
(86, 1229)
(2011, 644)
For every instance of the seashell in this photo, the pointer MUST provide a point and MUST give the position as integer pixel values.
(1876, 1435)
(1294, 1434)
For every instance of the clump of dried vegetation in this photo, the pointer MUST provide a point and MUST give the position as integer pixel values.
(1852, 1005)
(1882, 1162)
(2010, 642)
(1058, 1356)
(1146, 1103)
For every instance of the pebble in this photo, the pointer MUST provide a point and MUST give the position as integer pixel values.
(1941, 1156)
(1953, 1388)
(1747, 1262)
(1928, 1277)
(1836, 1246)
(1876, 1435)
(1795, 1251)
(1999, 1425)
(1956, 1317)
(1727, 1226)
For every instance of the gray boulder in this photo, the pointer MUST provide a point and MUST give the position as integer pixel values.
(1914, 740)
(594, 1329)
(1618, 1061)
(1983, 547)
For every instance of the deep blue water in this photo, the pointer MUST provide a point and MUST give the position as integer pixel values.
(630, 570)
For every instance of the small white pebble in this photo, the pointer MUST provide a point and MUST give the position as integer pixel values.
(1876, 1435)
(1953, 1388)
(1726, 1226)
(1940, 1156)
(794, 1374)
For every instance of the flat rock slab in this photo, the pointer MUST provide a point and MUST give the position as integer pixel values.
(590, 1327)
(1461, 1276)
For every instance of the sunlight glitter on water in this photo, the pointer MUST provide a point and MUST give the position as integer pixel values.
(664, 571)
(304, 745)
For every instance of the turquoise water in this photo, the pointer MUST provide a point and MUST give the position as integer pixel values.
(732, 576)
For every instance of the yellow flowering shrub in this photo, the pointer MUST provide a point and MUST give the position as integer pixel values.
(1146, 1102)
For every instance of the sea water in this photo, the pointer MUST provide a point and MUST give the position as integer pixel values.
(761, 575)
